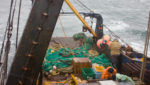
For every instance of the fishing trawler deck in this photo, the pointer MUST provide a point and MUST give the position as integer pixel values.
(69, 42)
(27, 64)
(61, 79)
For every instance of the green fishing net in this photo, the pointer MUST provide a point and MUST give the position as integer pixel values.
(62, 58)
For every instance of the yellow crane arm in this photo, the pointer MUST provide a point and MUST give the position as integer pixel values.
(80, 17)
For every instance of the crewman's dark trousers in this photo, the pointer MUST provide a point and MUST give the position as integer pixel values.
(116, 61)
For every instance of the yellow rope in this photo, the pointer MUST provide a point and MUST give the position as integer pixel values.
(65, 35)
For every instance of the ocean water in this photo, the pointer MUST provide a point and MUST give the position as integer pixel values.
(126, 18)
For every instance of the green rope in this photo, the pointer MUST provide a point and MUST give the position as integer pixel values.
(62, 58)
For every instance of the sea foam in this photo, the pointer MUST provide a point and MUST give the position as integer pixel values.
(118, 25)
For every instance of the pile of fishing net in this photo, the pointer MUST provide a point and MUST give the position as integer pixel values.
(62, 58)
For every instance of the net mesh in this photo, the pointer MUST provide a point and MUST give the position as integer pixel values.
(62, 58)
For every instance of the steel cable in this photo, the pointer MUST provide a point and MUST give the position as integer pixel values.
(85, 6)
(8, 22)
(3, 72)
(18, 23)
(116, 36)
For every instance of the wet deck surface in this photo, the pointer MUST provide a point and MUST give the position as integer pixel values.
(65, 41)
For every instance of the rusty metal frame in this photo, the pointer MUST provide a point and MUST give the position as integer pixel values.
(34, 42)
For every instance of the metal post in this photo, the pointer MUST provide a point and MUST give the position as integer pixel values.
(145, 51)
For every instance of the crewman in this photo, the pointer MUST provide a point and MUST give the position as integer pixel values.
(115, 47)
(108, 73)
(103, 45)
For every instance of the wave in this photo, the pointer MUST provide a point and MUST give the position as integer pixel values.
(118, 25)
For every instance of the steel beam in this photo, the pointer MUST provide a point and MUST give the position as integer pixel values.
(34, 42)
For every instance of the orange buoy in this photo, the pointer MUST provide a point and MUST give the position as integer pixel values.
(106, 37)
